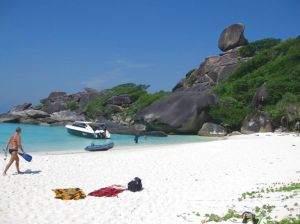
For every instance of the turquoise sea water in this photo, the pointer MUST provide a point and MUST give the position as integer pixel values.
(37, 138)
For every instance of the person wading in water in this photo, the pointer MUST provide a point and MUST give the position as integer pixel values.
(13, 145)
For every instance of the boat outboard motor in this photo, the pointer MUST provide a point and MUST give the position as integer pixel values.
(100, 133)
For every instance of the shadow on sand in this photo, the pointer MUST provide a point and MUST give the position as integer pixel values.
(28, 171)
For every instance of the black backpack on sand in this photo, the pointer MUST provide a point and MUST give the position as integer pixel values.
(135, 185)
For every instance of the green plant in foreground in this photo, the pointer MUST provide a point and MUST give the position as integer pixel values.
(289, 187)
(289, 220)
(257, 209)
(214, 217)
(285, 188)
(230, 214)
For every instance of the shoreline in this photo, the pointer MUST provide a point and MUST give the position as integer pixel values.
(139, 146)
(182, 183)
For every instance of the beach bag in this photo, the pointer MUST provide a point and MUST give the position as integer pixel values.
(135, 185)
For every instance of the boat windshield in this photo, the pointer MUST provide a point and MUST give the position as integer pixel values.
(97, 126)
(94, 127)
(80, 125)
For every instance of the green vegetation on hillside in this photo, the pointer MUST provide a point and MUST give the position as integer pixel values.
(146, 100)
(138, 94)
(278, 67)
(255, 47)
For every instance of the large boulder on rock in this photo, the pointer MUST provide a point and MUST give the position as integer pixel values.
(216, 68)
(212, 130)
(67, 115)
(232, 36)
(181, 112)
(258, 122)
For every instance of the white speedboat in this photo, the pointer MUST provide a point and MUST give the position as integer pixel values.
(88, 129)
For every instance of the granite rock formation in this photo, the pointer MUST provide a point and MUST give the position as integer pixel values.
(212, 130)
(185, 110)
(258, 122)
(182, 112)
(232, 37)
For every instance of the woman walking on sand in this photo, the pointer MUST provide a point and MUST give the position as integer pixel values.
(13, 145)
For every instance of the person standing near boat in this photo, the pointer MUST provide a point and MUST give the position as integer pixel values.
(136, 138)
(13, 145)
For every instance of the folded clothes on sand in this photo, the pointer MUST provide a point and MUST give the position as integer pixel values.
(69, 194)
(110, 191)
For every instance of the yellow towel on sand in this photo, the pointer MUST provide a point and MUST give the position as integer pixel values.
(69, 194)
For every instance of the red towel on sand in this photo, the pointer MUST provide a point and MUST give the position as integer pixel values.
(110, 191)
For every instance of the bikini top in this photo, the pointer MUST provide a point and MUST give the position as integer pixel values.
(14, 141)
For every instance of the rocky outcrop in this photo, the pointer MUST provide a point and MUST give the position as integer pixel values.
(60, 101)
(114, 108)
(67, 115)
(258, 122)
(139, 128)
(260, 96)
(212, 130)
(88, 95)
(117, 128)
(55, 102)
(182, 112)
(121, 100)
(36, 114)
(28, 120)
(21, 107)
(30, 113)
(232, 37)
(9, 118)
(210, 72)
(234, 133)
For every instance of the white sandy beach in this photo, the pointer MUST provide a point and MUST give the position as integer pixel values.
(179, 182)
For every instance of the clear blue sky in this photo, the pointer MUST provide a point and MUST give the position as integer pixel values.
(60, 45)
